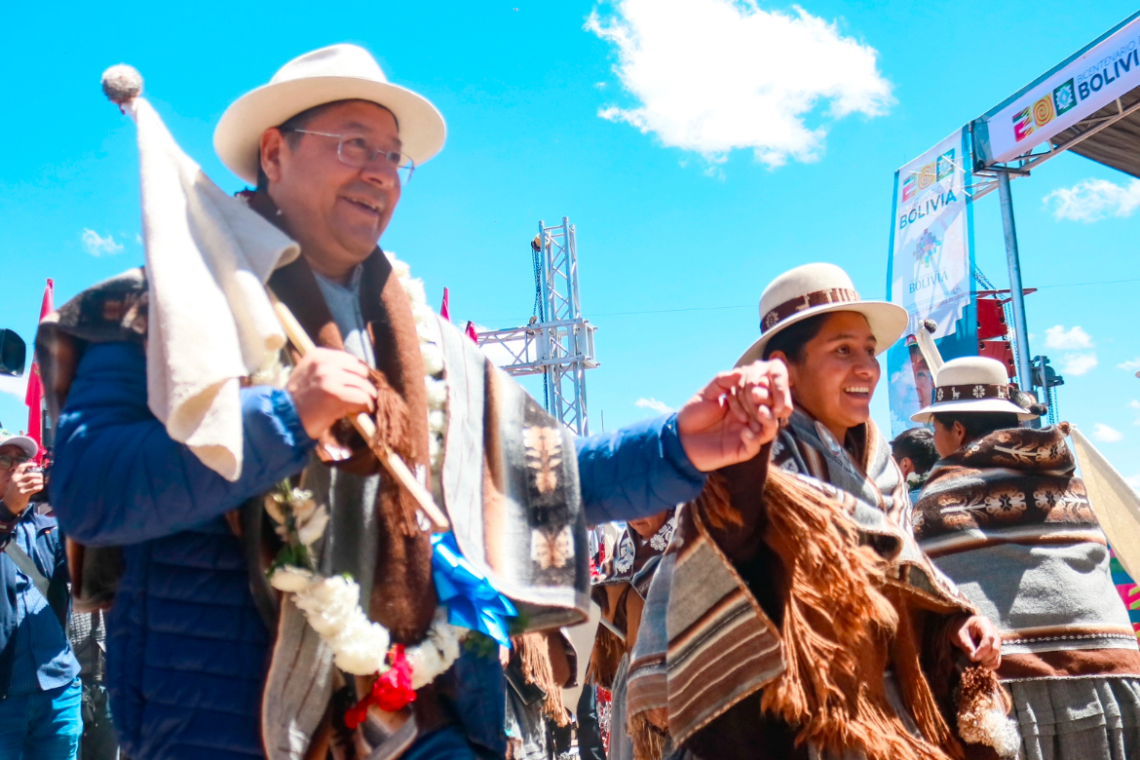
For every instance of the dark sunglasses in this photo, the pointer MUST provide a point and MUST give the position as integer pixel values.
(7, 462)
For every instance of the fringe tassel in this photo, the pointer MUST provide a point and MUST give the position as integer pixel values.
(836, 627)
(534, 653)
(393, 430)
(605, 658)
(917, 694)
(983, 707)
(715, 503)
(648, 740)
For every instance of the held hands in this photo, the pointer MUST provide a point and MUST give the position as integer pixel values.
(735, 415)
(979, 639)
(327, 385)
(23, 484)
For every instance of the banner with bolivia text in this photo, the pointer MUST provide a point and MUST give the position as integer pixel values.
(1090, 80)
(929, 271)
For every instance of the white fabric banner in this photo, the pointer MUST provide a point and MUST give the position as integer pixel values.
(1083, 86)
(930, 241)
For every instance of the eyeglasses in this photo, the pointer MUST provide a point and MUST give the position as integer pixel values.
(354, 151)
(7, 462)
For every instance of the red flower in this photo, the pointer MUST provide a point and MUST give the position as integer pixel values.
(391, 692)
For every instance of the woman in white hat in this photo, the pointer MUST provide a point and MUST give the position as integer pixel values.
(763, 678)
(813, 320)
(1004, 515)
(972, 398)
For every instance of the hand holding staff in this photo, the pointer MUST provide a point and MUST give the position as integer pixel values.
(367, 428)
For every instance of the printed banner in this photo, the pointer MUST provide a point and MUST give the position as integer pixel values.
(1084, 85)
(929, 272)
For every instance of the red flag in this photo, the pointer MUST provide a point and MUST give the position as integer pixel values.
(34, 398)
(471, 332)
(443, 310)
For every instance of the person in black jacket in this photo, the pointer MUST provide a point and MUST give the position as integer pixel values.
(39, 675)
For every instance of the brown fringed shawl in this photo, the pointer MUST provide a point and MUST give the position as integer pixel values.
(794, 597)
(403, 596)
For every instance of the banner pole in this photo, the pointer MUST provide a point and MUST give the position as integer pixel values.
(1017, 294)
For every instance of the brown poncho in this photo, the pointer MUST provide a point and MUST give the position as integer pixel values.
(779, 611)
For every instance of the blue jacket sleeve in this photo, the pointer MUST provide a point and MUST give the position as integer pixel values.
(636, 472)
(118, 478)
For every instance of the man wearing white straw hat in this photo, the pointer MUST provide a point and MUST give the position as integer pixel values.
(330, 146)
(1004, 515)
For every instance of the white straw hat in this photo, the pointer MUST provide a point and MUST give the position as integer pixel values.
(814, 289)
(973, 384)
(338, 72)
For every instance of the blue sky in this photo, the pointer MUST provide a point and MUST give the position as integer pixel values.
(681, 221)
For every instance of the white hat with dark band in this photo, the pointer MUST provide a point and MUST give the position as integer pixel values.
(813, 289)
(973, 384)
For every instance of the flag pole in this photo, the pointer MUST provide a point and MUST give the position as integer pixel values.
(367, 429)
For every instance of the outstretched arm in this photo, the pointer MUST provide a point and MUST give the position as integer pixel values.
(655, 465)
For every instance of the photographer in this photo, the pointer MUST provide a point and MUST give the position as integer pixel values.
(40, 690)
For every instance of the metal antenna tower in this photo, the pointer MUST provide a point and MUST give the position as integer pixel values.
(557, 343)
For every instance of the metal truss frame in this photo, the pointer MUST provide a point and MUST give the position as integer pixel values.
(558, 343)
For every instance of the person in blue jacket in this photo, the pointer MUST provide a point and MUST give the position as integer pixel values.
(40, 691)
(187, 647)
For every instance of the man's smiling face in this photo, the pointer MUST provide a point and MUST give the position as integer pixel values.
(337, 212)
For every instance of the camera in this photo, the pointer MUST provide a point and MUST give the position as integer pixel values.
(40, 497)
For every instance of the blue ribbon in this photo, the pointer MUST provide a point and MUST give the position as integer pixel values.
(471, 601)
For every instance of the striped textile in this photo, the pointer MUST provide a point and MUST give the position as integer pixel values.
(805, 446)
(1007, 519)
(706, 643)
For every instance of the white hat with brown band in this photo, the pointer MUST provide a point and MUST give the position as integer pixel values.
(813, 289)
(973, 384)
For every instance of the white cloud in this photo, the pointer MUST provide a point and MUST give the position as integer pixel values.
(1093, 199)
(651, 403)
(17, 386)
(1131, 365)
(1134, 405)
(714, 75)
(1078, 364)
(1080, 361)
(1074, 338)
(1133, 481)
(1105, 434)
(97, 245)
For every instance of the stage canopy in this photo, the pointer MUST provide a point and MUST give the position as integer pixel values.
(1088, 104)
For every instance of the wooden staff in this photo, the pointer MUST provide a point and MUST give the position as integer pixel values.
(367, 429)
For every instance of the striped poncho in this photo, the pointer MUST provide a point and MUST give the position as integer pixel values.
(1007, 519)
(793, 618)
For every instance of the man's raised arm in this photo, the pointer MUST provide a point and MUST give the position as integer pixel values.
(643, 469)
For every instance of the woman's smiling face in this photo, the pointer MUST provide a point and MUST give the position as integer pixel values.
(838, 373)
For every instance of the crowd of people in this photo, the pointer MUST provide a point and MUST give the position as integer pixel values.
(782, 580)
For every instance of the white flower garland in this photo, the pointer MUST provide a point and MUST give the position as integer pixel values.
(332, 604)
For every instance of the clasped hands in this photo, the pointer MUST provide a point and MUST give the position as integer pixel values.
(735, 415)
(732, 418)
